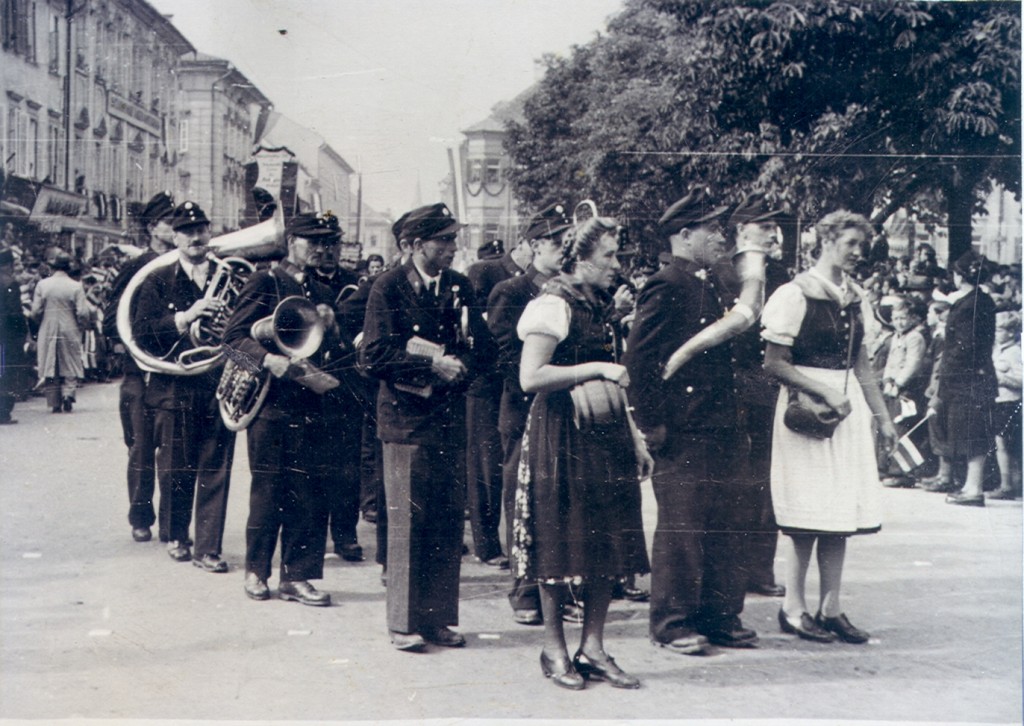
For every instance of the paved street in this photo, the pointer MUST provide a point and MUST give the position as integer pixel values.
(95, 626)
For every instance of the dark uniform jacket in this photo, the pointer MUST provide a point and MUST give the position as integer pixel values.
(13, 325)
(676, 303)
(164, 293)
(505, 306)
(485, 275)
(753, 384)
(257, 300)
(966, 371)
(398, 309)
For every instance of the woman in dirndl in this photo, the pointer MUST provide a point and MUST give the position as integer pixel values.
(578, 517)
(825, 490)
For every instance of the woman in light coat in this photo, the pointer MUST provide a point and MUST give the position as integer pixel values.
(59, 307)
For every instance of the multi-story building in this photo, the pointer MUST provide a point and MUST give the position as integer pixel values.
(219, 116)
(88, 116)
(485, 198)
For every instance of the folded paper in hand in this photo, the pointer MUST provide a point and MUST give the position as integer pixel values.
(427, 349)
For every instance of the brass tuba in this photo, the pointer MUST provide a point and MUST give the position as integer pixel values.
(294, 330)
(230, 267)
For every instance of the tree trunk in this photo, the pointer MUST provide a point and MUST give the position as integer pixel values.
(959, 210)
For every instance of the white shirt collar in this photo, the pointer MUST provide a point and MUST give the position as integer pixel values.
(193, 271)
(427, 279)
(839, 292)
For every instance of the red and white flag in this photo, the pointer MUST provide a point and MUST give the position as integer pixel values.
(906, 455)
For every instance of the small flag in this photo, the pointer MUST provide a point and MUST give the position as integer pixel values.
(906, 455)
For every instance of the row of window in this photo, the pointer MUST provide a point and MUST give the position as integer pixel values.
(123, 58)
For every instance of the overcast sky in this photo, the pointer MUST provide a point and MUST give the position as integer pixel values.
(388, 83)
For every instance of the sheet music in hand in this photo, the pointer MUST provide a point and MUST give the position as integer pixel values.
(421, 347)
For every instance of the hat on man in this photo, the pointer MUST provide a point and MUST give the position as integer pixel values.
(6, 257)
(430, 222)
(318, 226)
(754, 208)
(397, 227)
(490, 250)
(693, 210)
(160, 206)
(188, 214)
(548, 222)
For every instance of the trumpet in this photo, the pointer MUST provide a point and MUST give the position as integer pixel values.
(230, 258)
(295, 330)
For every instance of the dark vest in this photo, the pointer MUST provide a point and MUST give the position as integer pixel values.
(824, 338)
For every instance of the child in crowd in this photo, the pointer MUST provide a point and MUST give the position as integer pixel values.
(1007, 359)
(942, 481)
(905, 378)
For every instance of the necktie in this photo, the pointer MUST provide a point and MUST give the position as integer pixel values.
(432, 288)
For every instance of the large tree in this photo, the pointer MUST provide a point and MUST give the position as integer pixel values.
(871, 105)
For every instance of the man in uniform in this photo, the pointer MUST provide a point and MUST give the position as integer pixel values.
(697, 577)
(195, 450)
(483, 442)
(339, 425)
(287, 441)
(416, 345)
(136, 417)
(754, 223)
(13, 332)
(504, 307)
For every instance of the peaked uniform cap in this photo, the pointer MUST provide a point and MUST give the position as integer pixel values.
(490, 250)
(693, 210)
(159, 207)
(188, 214)
(754, 208)
(430, 222)
(548, 222)
(319, 226)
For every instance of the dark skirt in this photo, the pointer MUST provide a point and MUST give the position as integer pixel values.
(968, 426)
(578, 509)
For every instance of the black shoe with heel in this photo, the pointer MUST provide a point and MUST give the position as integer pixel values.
(805, 627)
(841, 626)
(561, 672)
(606, 670)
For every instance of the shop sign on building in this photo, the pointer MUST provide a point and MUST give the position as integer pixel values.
(276, 172)
(55, 207)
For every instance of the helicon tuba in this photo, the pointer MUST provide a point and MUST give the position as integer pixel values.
(294, 330)
(230, 267)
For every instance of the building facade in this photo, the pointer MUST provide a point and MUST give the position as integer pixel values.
(220, 112)
(88, 117)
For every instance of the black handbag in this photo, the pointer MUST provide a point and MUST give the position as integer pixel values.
(807, 414)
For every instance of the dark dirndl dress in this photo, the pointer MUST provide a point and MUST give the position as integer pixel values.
(578, 508)
(967, 378)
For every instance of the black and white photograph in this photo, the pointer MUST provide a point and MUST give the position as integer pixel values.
(511, 361)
